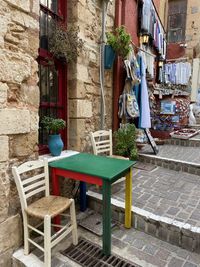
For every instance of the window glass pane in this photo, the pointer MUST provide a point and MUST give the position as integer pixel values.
(43, 30)
(44, 2)
(173, 8)
(50, 22)
(176, 7)
(53, 85)
(43, 135)
(48, 84)
(43, 83)
(176, 21)
(53, 5)
(175, 36)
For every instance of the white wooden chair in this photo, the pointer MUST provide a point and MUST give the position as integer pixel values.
(102, 145)
(45, 208)
(102, 142)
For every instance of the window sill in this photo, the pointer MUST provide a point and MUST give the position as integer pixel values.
(64, 154)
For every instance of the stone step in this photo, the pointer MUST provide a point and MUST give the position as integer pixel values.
(173, 157)
(146, 250)
(193, 142)
(165, 204)
(135, 246)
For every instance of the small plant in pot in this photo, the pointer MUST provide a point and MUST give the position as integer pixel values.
(125, 142)
(117, 43)
(64, 42)
(53, 126)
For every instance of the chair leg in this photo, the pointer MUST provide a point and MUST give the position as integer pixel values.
(26, 235)
(74, 223)
(47, 241)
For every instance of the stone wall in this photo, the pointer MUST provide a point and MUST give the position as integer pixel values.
(83, 76)
(19, 102)
(192, 34)
(19, 97)
(192, 27)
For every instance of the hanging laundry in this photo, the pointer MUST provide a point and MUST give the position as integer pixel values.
(149, 59)
(177, 73)
(146, 12)
(151, 25)
(144, 120)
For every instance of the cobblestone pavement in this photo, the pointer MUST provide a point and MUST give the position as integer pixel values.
(150, 250)
(166, 193)
(189, 154)
(146, 250)
(138, 247)
(133, 245)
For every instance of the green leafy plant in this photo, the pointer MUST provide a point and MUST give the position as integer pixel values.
(53, 125)
(64, 42)
(125, 142)
(120, 41)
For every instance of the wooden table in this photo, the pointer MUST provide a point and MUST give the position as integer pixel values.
(97, 170)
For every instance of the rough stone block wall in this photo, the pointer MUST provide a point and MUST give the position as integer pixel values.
(192, 27)
(19, 103)
(192, 33)
(83, 77)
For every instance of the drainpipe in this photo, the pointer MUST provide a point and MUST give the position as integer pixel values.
(102, 46)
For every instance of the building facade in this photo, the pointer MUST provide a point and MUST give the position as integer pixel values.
(187, 23)
(20, 96)
(20, 84)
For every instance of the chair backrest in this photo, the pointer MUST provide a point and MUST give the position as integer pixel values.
(31, 178)
(102, 142)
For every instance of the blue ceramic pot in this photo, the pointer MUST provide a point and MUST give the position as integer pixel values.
(55, 144)
(109, 57)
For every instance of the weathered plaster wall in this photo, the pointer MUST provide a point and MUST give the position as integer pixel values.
(83, 77)
(162, 10)
(192, 27)
(19, 102)
(192, 34)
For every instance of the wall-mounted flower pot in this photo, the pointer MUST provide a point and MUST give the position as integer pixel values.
(55, 144)
(109, 57)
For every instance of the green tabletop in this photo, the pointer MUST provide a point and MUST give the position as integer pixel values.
(100, 166)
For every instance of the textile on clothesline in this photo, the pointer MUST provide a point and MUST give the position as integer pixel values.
(144, 120)
(150, 24)
(177, 73)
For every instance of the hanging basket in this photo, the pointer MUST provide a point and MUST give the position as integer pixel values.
(109, 57)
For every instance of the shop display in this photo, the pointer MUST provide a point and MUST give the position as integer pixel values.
(185, 133)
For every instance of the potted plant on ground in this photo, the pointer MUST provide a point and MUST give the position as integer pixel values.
(117, 43)
(53, 126)
(64, 43)
(125, 142)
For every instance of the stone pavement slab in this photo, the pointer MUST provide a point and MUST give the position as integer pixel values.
(165, 193)
(133, 245)
(146, 250)
(175, 152)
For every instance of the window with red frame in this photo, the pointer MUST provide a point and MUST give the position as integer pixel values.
(52, 72)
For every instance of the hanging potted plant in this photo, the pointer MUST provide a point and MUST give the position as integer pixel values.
(117, 43)
(64, 43)
(53, 126)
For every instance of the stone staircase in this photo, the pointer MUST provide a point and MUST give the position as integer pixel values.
(166, 201)
(165, 211)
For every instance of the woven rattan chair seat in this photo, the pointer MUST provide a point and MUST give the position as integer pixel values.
(51, 205)
(118, 157)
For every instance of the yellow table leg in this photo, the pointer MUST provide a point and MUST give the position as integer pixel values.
(128, 201)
